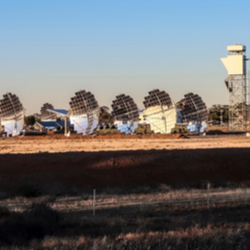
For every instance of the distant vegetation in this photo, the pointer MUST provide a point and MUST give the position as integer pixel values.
(30, 120)
(144, 129)
(105, 117)
(108, 131)
(215, 112)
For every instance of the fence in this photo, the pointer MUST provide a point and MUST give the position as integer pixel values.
(94, 202)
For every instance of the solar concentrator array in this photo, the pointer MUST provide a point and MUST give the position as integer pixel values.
(11, 114)
(84, 112)
(160, 111)
(45, 114)
(194, 112)
(126, 113)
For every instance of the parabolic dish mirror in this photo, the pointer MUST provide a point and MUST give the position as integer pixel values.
(11, 114)
(160, 111)
(45, 114)
(125, 113)
(84, 112)
(194, 112)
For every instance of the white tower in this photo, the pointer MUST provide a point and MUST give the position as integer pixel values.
(236, 83)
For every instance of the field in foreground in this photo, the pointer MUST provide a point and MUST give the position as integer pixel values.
(166, 219)
(146, 199)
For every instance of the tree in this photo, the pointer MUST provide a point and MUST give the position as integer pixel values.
(215, 112)
(29, 120)
(105, 117)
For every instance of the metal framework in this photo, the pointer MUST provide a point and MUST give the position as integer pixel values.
(126, 113)
(84, 113)
(160, 111)
(237, 88)
(45, 114)
(11, 114)
(124, 108)
(194, 110)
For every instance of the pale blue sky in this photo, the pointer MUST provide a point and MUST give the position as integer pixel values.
(52, 48)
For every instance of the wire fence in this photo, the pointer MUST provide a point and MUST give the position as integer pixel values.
(208, 198)
(94, 203)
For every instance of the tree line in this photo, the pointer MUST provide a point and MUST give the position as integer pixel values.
(216, 111)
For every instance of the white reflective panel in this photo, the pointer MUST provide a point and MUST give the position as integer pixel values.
(84, 112)
(13, 125)
(160, 118)
(85, 123)
(50, 128)
(197, 128)
(9, 126)
(93, 120)
(128, 128)
(80, 123)
(125, 113)
(48, 120)
(11, 114)
(194, 113)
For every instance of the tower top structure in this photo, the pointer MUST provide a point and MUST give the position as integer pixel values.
(237, 48)
(236, 83)
(235, 62)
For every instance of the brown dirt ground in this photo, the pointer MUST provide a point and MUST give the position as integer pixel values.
(110, 136)
(60, 143)
(125, 168)
(120, 160)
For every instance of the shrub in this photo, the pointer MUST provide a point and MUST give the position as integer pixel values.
(29, 190)
(108, 131)
(35, 223)
(4, 213)
(143, 129)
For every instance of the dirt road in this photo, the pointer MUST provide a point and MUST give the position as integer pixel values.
(16, 146)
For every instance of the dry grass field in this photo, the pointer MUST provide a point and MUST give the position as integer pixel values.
(59, 143)
(151, 193)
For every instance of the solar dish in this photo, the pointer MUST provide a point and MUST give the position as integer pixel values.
(194, 112)
(11, 114)
(125, 113)
(45, 114)
(84, 112)
(160, 111)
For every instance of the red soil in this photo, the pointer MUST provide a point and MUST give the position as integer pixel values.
(115, 136)
(125, 168)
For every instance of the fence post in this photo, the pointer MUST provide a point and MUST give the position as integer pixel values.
(208, 187)
(94, 194)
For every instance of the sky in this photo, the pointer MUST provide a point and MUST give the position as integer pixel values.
(50, 49)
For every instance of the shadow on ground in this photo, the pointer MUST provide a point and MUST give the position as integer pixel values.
(61, 172)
